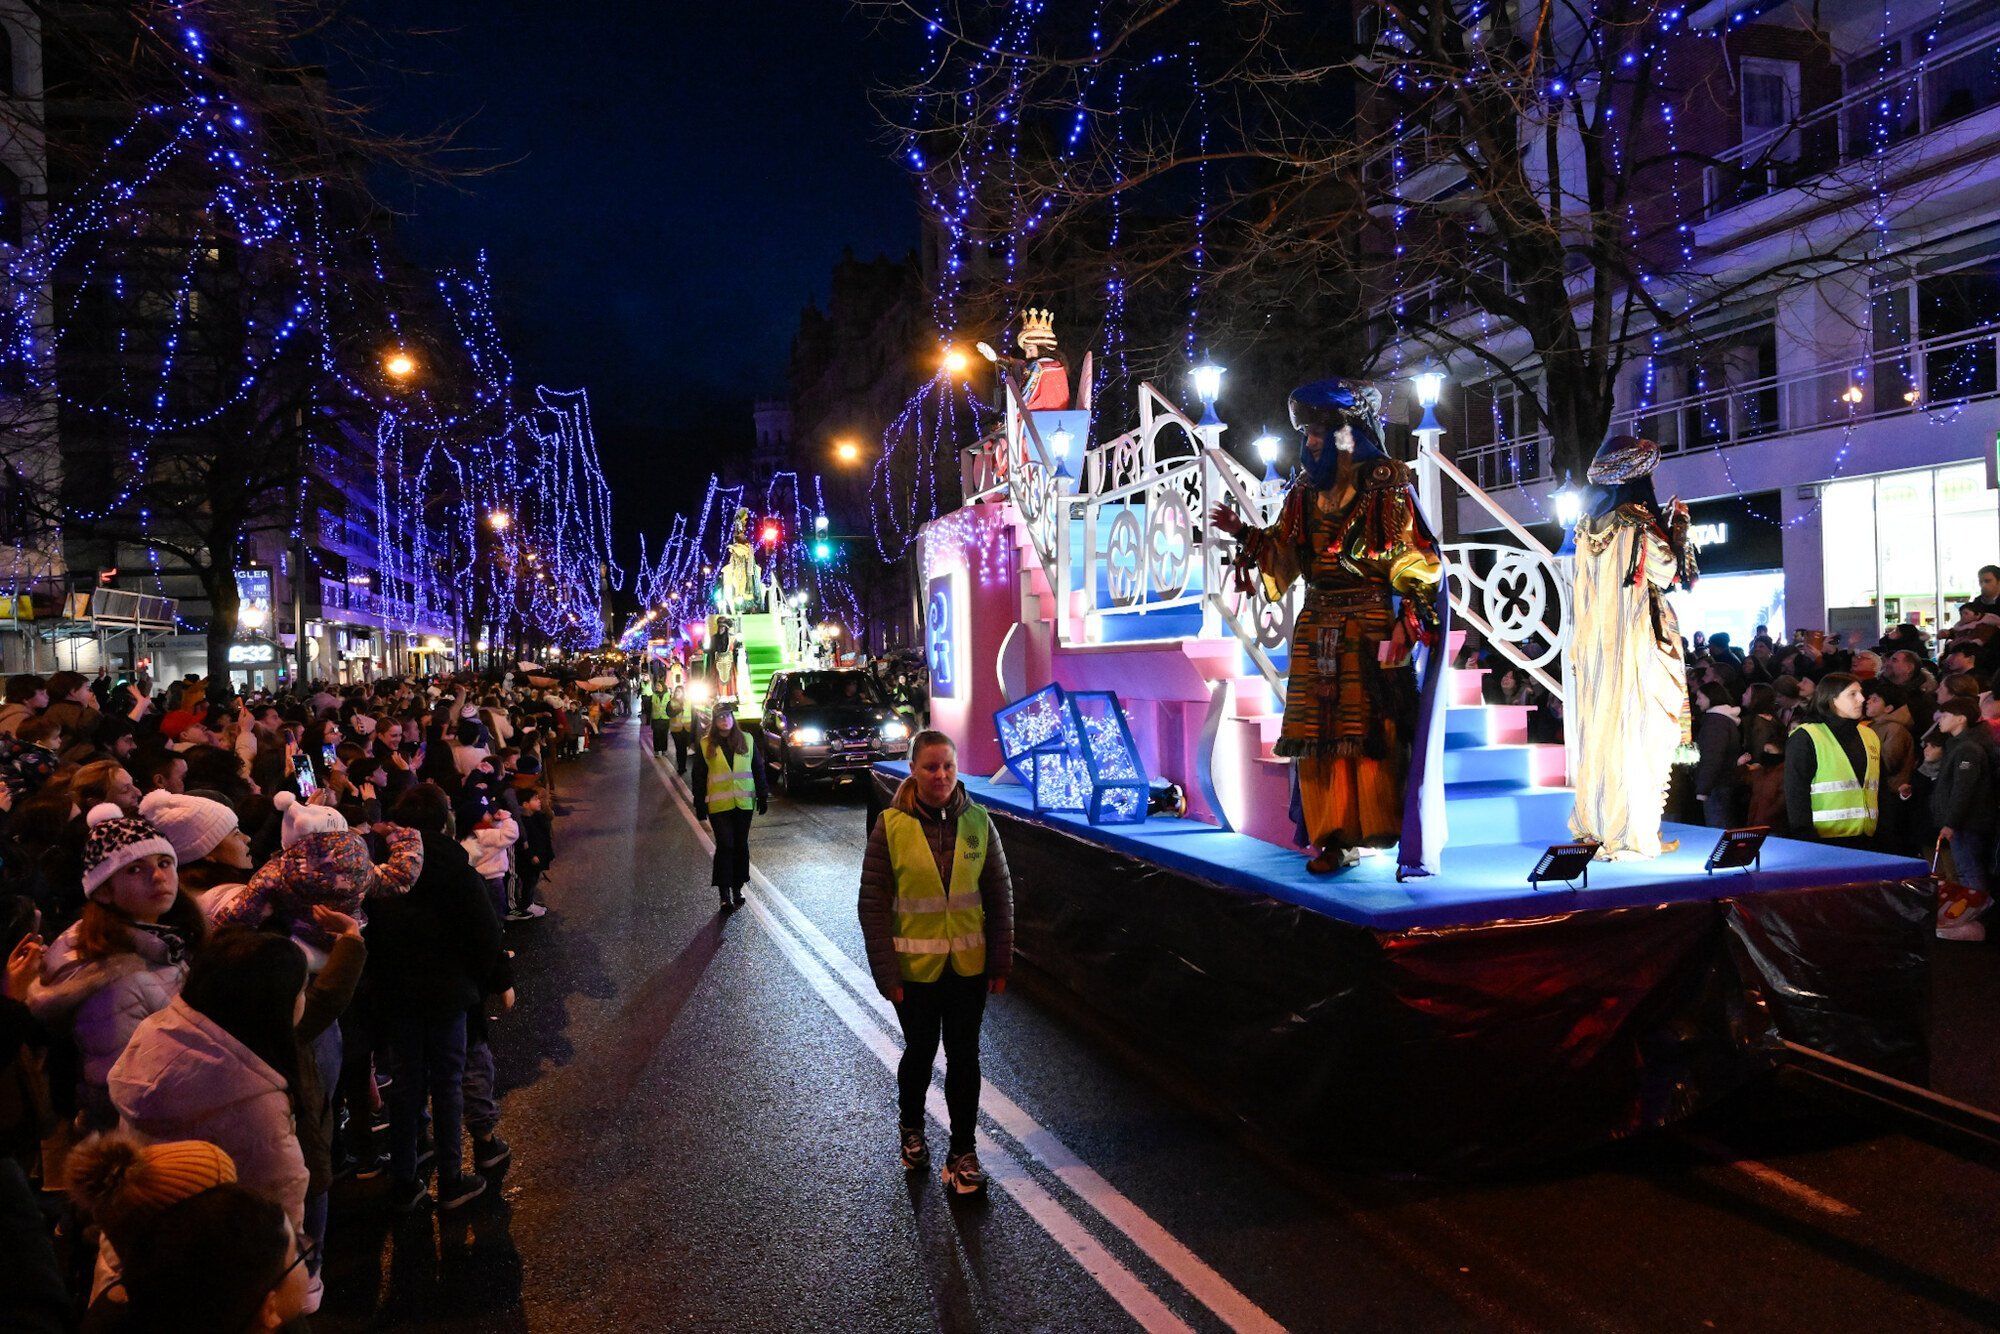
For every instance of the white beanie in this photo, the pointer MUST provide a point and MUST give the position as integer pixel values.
(303, 818)
(116, 841)
(194, 825)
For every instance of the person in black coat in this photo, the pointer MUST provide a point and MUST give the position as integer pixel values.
(1719, 738)
(1837, 705)
(433, 954)
(1963, 798)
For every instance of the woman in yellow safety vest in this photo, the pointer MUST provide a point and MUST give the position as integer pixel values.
(728, 784)
(937, 914)
(1833, 768)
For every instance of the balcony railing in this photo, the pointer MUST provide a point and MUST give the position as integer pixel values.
(1948, 85)
(1938, 372)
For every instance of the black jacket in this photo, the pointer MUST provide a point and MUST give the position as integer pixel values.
(1963, 797)
(1720, 740)
(436, 950)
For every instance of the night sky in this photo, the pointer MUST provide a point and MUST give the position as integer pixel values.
(682, 179)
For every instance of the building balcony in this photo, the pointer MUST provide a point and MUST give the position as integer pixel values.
(1931, 375)
(1877, 136)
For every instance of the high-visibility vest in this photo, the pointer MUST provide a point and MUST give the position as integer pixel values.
(931, 923)
(1841, 806)
(677, 715)
(732, 786)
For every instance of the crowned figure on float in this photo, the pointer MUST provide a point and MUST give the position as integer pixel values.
(739, 570)
(1629, 703)
(1361, 722)
(1042, 374)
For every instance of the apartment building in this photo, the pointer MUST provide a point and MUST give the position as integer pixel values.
(1834, 423)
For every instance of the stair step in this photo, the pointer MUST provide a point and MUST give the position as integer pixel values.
(1506, 813)
(1481, 764)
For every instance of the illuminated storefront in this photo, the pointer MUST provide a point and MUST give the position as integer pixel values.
(1739, 545)
(1905, 546)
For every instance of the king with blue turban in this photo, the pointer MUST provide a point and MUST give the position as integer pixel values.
(1355, 708)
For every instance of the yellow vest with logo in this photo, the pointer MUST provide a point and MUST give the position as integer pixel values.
(1843, 807)
(731, 784)
(933, 924)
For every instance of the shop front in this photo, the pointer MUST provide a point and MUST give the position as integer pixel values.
(1739, 544)
(1905, 547)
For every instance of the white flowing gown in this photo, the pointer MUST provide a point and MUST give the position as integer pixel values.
(1629, 698)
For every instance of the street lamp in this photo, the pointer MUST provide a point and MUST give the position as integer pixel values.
(1208, 387)
(399, 365)
(500, 519)
(846, 451)
(955, 362)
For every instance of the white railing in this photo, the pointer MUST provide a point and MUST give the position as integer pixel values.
(1947, 85)
(1936, 373)
(1145, 536)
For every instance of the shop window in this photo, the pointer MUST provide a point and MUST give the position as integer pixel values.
(1939, 526)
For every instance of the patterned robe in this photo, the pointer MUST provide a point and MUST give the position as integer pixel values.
(1349, 718)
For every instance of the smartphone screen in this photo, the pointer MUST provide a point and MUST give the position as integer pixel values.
(308, 783)
(328, 753)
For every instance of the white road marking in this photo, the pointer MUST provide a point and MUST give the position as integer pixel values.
(1772, 1177)
(1200, 1281)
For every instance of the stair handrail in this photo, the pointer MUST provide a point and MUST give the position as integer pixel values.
(1224, 478)
(1501, 626)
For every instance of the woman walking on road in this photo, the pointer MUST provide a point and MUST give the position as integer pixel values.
(728, 783)
(937, 912)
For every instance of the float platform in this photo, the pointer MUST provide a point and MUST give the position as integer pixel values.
(1465, 1021)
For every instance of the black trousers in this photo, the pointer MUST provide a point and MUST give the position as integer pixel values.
(682, 739)
(732, 848)
(951, 1007)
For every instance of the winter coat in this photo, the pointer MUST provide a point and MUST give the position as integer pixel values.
(1964, 795)
(329, 868)
(12, 716)
(436, 950)
(1720, 741)
(1802, 766)
(877, 907)
(487, 848)
(327, 998)
(103, 1001)
(185, 1077)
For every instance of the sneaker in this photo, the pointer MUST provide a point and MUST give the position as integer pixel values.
(491, 1154)
(407, 1196)
(517, 915)
(916, 1153)
(457, 1194)
(535, 910)
(736, 895)
(962, 1174)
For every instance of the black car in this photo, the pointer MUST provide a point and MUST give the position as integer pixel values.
(821, 724)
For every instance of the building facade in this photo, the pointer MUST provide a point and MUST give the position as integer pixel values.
(1834, 422)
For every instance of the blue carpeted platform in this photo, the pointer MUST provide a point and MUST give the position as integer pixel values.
(1480, 883)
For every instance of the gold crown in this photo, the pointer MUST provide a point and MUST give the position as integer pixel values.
(1038, 329)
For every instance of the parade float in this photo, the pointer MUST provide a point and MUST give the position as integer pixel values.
(1091, 636)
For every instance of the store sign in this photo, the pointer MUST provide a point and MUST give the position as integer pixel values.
(1738, 534)
(252, 655)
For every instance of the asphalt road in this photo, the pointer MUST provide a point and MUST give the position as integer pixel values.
(703, 1126)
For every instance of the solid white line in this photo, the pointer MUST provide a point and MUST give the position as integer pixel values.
(1003, 1169)
(1772, 1177)
(1201, 1281)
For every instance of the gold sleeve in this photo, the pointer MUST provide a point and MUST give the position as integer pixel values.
(1414, 572)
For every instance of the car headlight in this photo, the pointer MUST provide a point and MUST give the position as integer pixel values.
(895, 731)
(807, 736)
(699, 693)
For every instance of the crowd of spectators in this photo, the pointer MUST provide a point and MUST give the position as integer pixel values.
(251, 941)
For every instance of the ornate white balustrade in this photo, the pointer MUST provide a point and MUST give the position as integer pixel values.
(1129, 533)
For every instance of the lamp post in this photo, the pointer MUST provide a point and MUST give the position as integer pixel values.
(1266, 446)
(1060, 441)
(1207, 379)
(1429, 384)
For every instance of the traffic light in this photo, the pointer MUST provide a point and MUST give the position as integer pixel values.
(770, 534)
(822, 551)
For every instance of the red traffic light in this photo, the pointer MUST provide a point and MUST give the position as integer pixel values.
(770, 534)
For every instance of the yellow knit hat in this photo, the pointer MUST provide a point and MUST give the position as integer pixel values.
(118, 1178)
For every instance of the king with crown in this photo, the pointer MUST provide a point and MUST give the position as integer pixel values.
(1361, 722)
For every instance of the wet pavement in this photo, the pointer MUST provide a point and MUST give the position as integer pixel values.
(703, 1125)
